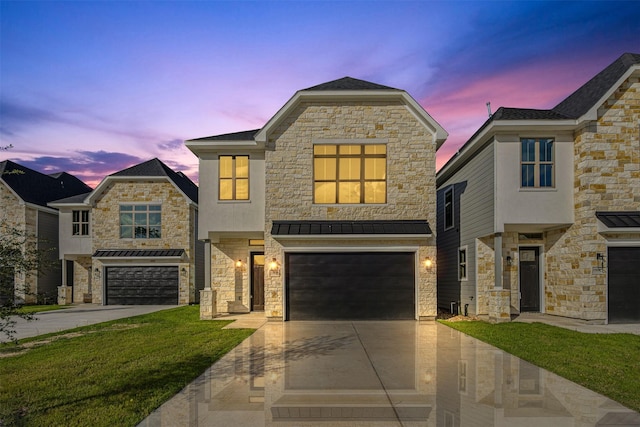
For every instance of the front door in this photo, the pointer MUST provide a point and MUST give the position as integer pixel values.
(257, 281)
(529, 279)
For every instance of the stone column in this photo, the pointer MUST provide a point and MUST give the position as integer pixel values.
(499, 298)
(208, 297)
(64, 295)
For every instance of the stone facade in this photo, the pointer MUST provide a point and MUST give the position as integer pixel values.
(178, 230)
(410, 181)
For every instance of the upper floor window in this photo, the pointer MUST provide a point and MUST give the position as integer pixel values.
(350, 174)
(536, 162)
(140, 221)
(80, 223)
(234, 178)
(448, 208)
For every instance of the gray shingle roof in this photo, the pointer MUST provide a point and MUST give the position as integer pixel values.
(155, 167)
(583, 99)
(289, 228)
(349, 83)
(147, 253)
(621, 219)
(246, 135)
(38, 188)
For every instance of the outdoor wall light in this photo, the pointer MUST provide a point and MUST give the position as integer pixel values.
(509, 260)
(97, 271)
(239, 263)
(184, 270)
(601, 259)
(274, 267)
(428, 263)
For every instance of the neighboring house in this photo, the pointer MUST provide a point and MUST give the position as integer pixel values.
(132, 240)
(327, 211)
(24, 194)
(540, 210)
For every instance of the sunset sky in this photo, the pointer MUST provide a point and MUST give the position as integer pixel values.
(92, 87)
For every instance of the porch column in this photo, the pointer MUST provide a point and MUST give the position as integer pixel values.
(499, 298)
(208, 300)
(64, 291)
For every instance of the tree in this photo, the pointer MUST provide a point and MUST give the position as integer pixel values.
(20, 255)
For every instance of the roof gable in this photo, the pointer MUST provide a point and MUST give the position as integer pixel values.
(38, 188)
(349, 83)
(156, 168)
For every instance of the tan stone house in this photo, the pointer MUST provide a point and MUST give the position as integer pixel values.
(24, 194)
(326, 212)
(132, 240)
(540, 210)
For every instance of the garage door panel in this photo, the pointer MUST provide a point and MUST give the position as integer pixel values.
(349, 286)
(142, 285)
(624, 284)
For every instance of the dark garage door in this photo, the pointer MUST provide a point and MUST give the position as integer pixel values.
(350, 286)
(624, 285)
(142, 285)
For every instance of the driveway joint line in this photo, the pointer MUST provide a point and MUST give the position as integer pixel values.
(386, 393)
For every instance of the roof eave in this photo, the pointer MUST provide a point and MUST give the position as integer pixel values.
(440, 135)
(198, 147)
(469, 149)
(592, 113)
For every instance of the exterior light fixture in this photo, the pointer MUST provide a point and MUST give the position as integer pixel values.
(509, 260)
(274, 267)
(428, 263)
(239, 263)
(601, 259)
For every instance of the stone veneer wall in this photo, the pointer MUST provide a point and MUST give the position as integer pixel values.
(81, 278)
(177, 232)
(485, 272)
(23, 218)
(230, 282)
(411, 191)
(607, 178)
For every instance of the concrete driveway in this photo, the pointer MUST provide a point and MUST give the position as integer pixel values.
(78, 315)
(397, 373)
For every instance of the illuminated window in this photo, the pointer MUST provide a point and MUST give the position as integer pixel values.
(80, 223)
(350, 174)
(536, 163)
(140, 221)
(256, 242)
(234, 178)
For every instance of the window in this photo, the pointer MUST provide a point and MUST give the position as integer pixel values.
(80, 223)
(140, 221)
(462, 263)
(448, 208)
(350, 174)
(536, 163)
(234, 178)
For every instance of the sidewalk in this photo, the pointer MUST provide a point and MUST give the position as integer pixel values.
(47, 322)
(578, 325)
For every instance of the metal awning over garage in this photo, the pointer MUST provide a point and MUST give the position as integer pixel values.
(350, 286)
(137, 253)
(298, 229)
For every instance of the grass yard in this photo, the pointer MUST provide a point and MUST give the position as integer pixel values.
(606, 363)
(113, 373)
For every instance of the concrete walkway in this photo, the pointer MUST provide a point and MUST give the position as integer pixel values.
(78, 315)
(579, 325)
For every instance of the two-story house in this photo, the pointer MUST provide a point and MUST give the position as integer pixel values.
(540, 210)
(327, 211)
(24, 194)
(132, 240)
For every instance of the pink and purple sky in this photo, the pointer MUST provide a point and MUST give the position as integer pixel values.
(92, 87)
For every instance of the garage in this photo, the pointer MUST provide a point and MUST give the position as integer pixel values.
(350, 286)
(624, 284)
(142, 285)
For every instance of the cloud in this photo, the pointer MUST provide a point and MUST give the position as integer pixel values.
(174, 144)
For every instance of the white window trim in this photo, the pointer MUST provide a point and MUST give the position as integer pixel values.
(537, 163)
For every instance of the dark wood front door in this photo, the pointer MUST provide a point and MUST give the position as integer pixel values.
(257, 281)
(529, 279)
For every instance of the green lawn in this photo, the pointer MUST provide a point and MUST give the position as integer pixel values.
(113, 373)
(606, 363)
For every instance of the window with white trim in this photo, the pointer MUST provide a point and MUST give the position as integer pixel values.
(349, 173)
(462, 263)
(536, 163)
(140, 221)
(233, 180)
(80, 222)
